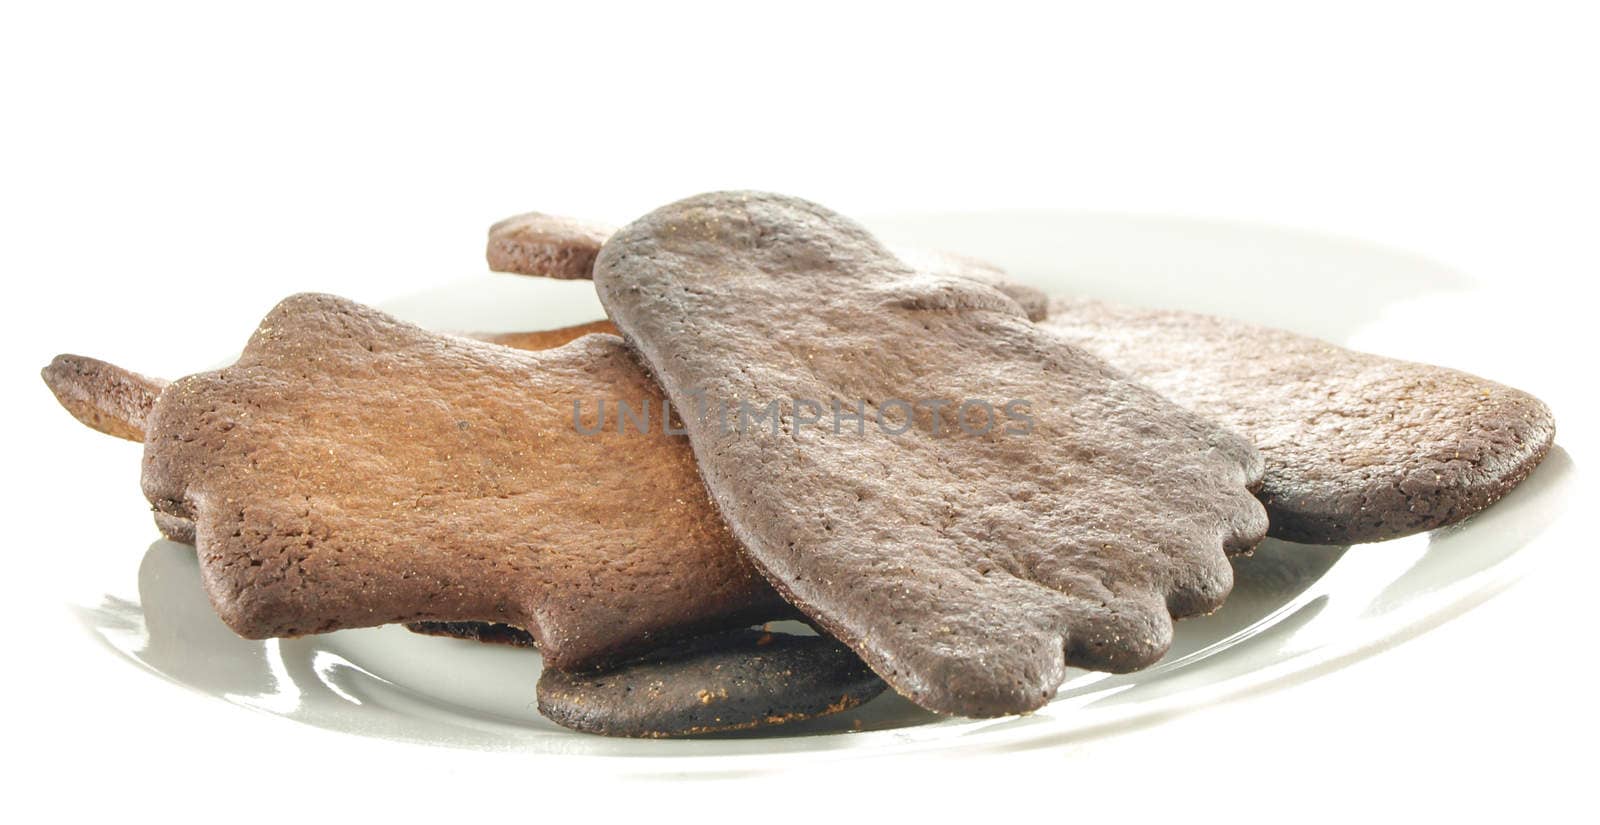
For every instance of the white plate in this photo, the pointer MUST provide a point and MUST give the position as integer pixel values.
(1296, 610)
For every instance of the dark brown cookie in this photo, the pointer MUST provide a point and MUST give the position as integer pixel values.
(352, 470)
(731, 681)
(556, 247)
(486, 632)
(968, 570)
(1358, 447)
(104, 397)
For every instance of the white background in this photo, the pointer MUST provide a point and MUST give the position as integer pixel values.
(168, 173)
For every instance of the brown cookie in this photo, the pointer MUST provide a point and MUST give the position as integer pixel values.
(737, 680)
(546, 245)
(107, 398)
(557, 247)
(969, 570)
(116, 401)
(352, 470)
(1357, 447)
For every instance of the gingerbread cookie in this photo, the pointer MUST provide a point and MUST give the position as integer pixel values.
(737, 680)
(116, 401)
(352, 470)
(1358, 447)
(968, 565)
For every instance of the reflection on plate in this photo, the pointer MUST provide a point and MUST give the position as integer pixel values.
(1296, 609)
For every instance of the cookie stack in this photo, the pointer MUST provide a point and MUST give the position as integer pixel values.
(963, 486)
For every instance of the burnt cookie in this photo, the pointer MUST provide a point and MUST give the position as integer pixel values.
(1358, 447)
(104, 397)
(352, 470)
(555, 247)
(968, 569)
(737, 680)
